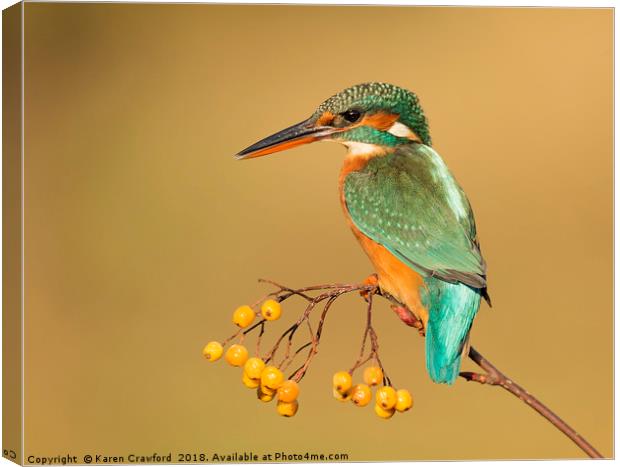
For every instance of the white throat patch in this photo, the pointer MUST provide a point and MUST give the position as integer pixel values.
(356, 148)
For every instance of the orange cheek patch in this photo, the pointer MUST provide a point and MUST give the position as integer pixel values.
(380, 120)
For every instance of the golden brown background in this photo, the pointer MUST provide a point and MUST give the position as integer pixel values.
(143, 234)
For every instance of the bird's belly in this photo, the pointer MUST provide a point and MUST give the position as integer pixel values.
(395, 277)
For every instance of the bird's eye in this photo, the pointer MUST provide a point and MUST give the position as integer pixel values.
(351, 115)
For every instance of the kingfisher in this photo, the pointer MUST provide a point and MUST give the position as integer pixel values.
(405, 208)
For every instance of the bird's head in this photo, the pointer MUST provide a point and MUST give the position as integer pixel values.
(376, 114)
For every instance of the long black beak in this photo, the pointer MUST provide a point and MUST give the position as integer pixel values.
(302, 133)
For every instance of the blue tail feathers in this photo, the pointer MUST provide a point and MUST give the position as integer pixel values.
(451, 308)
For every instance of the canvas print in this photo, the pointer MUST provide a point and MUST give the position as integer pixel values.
(190, 276)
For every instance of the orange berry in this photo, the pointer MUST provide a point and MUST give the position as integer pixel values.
(289, 391)
(271, 310)
(213, 351)
(254, 367)
(373, 375)
(271, 377)
(243, 316)
(263, 395)
(341, 396)
(342, 381)
(383, 413)
(250, 382)
(287, 409)
(236, 355)
(361, 395)
(386, 397)
(404, 401)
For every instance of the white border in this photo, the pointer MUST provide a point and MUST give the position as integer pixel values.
(480, 3)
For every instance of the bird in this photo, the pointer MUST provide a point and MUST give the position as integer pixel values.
(405, 208)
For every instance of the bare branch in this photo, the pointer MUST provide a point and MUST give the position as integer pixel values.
(495, 377)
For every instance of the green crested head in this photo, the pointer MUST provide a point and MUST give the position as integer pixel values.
(377, 114)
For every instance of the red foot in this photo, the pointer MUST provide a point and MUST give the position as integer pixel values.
(408, 318)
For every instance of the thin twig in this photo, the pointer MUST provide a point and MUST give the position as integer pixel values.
(361, 361)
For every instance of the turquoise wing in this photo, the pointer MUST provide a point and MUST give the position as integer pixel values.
(410, 203)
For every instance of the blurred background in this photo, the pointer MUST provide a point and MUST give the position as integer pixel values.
(143, 234)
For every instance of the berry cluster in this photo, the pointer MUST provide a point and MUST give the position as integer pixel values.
(264, 372)
(387, 399)
(268, 380)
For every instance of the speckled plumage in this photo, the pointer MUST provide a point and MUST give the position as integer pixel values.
(410, 201)
(374, 97)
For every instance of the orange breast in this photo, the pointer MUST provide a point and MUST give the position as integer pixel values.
(395, 277)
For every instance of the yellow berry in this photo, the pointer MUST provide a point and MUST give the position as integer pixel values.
(268, 391)
(213, 351)
(383, 413)
(271, 377)
(236, 355)
(342, 381)
(243, 316)
(263, 396)
(254, 367)
(251, 383)
(289, 391)
(271, 310)
(404, 401)
(341, 396)
(361, 395)
(287, 409)
(386, 397)
(373, 375)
